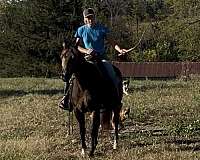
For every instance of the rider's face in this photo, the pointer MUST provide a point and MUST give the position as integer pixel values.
(89, 21)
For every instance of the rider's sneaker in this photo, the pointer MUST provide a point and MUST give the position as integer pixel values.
(64, 104)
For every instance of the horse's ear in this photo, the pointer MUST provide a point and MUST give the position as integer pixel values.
(66, 42)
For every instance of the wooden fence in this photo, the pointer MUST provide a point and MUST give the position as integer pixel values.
(158, 69)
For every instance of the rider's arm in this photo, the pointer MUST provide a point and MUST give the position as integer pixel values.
(114, 44)
(80, 47)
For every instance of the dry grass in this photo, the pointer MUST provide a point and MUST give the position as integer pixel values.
(164, 122)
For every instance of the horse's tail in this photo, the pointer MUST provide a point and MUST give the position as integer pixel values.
(120, 84)
(105, 118)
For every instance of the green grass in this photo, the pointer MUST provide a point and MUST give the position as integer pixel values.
(164, 123)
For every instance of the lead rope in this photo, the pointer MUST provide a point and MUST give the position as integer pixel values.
(129, 50)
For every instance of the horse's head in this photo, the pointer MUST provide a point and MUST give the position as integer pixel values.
(66, 56)
(70, 58)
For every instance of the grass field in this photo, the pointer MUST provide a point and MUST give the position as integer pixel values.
(164, 122)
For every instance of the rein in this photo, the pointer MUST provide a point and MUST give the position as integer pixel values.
(70, 113)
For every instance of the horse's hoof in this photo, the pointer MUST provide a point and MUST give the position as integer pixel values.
(115, 145)
(83, 152)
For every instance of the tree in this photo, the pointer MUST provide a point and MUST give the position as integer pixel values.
(38, 27)
(115, 8)
(183, 26)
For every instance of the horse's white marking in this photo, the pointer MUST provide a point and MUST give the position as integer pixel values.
(115, 144)
(65, 58)
(83, 152)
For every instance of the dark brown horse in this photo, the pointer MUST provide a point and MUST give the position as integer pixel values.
(91, 91)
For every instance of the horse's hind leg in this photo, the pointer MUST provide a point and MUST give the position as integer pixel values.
(116, 125)
(94, 133)
(81, 120)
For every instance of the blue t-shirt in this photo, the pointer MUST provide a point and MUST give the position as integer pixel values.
(93, 37)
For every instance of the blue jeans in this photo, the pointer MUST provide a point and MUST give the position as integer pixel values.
(111, 73)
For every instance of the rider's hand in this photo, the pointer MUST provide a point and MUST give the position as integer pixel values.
(91, 52)
(122, 52)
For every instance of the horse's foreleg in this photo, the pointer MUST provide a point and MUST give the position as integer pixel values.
(81, 120)
(94, 133)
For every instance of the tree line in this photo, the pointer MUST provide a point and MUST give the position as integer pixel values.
(168, 30)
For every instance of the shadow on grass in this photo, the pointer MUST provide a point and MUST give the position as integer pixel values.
(183, 144)
(147, 87)
(8, 93)
(152, 136)
(190, 144)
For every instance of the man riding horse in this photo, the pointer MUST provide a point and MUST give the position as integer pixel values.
(90, 39)
(96, 85)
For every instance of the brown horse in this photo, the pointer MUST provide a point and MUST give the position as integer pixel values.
(91, 92)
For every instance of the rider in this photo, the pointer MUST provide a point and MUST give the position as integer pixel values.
(90, 39)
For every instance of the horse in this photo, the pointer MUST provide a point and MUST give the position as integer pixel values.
(91, 91)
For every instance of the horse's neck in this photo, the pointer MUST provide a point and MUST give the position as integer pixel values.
(88, 75)
(80, 73)
(76, 82)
